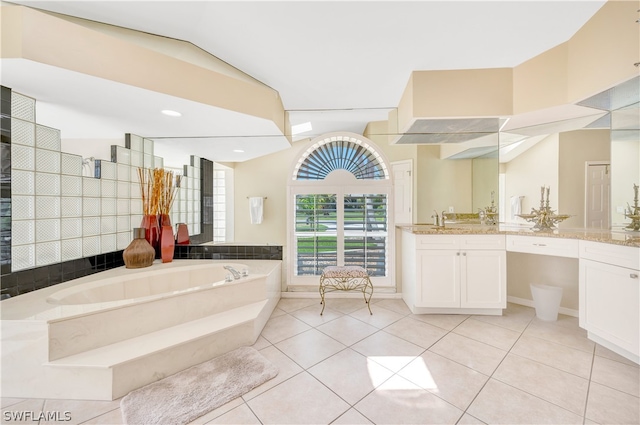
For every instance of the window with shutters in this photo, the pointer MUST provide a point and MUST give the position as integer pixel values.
(340, 198)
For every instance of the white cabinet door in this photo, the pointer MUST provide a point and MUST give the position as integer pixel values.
(610, 303)
(483, 280)
(438, 274)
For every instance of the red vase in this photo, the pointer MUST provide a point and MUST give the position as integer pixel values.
(167, 242)
(151, 229)
(182, 235)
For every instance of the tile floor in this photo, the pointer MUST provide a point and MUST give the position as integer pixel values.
(348, 367)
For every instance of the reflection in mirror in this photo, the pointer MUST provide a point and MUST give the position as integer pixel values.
(625, 153)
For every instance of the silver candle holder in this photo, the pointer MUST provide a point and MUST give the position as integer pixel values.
(491, 212)
(544, 218)
(633, 212)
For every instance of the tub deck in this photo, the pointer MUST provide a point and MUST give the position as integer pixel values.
(103, 350)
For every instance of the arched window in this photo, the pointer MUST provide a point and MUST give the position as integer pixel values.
(340, 205)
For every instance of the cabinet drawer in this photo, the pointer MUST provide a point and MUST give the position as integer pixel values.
(543, 245)
(617, 255)
(482, 242)
(437, 242)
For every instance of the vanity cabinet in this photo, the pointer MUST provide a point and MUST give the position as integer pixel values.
(454, 273)
(609, 289)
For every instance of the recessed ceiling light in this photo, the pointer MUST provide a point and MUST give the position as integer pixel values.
(171, 113)
(238, 150)
(300, 128)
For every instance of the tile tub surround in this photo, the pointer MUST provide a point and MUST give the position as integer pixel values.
(538, 379)
(104, 349)
(594, 235)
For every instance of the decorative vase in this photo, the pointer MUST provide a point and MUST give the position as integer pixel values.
(167, 242)
(182, 234)
(151, 229)
(139, 253)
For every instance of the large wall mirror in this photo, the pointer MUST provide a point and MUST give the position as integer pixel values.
(590, 161)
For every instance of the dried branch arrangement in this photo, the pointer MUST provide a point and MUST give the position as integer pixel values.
(158, 190)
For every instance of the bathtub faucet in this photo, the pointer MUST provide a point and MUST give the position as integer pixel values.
(234, 272)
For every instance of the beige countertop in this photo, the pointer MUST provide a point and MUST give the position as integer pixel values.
(620, 237)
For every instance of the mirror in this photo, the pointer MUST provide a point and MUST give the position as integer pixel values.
(590, 162)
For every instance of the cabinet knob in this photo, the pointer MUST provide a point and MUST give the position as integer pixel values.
(458, 254)
(540, 244)
(633, 276)
(464, 253)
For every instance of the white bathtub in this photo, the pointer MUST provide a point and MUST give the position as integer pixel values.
(147, 285)
(99, 337)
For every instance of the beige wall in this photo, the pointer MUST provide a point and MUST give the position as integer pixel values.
(576, 148)
(625, 155)
(536, 167)
(441, 183)
(525, 269)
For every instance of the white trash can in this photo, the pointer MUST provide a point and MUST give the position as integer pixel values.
(546, 300)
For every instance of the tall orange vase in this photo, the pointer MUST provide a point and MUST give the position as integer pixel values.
(167, 242)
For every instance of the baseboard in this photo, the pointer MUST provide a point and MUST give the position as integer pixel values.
(339, 294)
(529, 303)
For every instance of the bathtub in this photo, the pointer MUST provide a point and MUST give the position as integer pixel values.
(150, 285)
(103, 335)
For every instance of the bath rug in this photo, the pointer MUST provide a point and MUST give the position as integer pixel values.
(187, 395)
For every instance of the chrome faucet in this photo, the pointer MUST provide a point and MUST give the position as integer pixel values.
(234, 272)
(443, 212)
(437, 218)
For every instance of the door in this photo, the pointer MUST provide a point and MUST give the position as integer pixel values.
(598, 186)
(483, 279)
(438, 273)
(403, 191)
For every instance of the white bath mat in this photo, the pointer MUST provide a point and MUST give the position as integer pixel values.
(187, 395)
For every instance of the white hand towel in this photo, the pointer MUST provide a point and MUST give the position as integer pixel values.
(255, 209)
(516, 207)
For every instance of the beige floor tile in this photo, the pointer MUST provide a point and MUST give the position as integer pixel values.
(556, 355)
(514, 317)
(608, 406)
(468, 352)
(287, 368)
(444, 321)
(277, 312)
(292, 304)
(388, 350)
(616, 375)
(113, 417)
(80, 410)
(419, 333)
(16, 413)
(493, 335)
(588, 421)
(352, 417)
(310, 347)
(570, 322)
(299, 400)
(347, 330)
(311, 315)
(241, 415)
(399, 401)
(499, 403)
(571, 337)
(550, 384)
(208, 417)
(345, 305)
(467, 419)
(350, 375)
(399, 306)
(261, 343)
(606, 353)
(380, 319)
(283, 327)
(447, 379)
(8, 401)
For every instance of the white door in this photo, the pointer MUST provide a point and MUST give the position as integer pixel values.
(403, 191)
(598, 186)
(438, 274)
(483, 279)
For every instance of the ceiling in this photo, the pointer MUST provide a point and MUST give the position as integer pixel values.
(336, 64)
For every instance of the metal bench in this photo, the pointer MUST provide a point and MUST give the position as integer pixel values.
(345, 278)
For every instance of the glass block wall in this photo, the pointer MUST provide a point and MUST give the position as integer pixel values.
(60, 211)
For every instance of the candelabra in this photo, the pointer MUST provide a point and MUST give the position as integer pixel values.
(491, 212)
(633, 212)
(544, 218)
